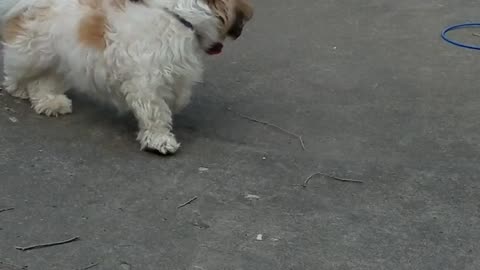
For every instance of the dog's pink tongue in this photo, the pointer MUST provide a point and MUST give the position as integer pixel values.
(215, 49)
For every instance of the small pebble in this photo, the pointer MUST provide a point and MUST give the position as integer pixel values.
(203, 169)
(252, 197)
(259, 237)
(8, 109)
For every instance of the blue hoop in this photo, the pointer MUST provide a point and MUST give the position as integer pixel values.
(456, 27)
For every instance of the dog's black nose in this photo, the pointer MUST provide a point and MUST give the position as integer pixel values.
(235, 32)
(236, 29)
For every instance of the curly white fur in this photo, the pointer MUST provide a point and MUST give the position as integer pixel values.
(148, 65)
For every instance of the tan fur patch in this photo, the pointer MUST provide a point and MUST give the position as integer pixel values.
(91, 31)
(94, 4)
(13, 28)
(223, 9)
(245, 7)
(17, 26)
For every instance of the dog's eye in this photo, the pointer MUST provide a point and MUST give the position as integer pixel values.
(221, 19)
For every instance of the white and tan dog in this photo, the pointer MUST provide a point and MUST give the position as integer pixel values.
(140, 55)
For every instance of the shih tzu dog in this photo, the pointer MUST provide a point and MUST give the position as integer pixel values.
(141, 56)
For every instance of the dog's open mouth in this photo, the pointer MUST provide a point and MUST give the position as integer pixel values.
(216, 48)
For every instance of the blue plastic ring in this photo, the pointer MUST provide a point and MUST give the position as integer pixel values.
(456, 27)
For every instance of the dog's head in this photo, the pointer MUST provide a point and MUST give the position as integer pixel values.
(231, 15)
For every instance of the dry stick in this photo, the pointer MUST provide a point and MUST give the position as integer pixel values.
(187, 202)
(299, 137)
(48, 244)
(12, 266)
(7, 209)
(476, 34)
(89, 266)
(305, 183)
(8, 109)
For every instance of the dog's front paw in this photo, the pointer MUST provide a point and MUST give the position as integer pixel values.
(162, 143)
(52, 105)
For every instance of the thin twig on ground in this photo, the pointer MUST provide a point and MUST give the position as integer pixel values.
(8, 109)
(187, 202)
(12, 266)
(476, 34)
(48, 244)
(299, 137)
(89, 266)
(7, 209)
(305, 183)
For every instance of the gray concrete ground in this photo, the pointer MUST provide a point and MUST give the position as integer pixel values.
(371, 87)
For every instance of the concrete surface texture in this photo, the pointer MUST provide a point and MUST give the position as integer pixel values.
(376, 95)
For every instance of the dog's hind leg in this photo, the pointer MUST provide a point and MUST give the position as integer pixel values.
(15, 88)
(15, 71)
(153, 115)
(28, 75)
(30, 62)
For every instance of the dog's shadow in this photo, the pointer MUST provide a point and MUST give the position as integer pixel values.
(102, 114)
(204, 118)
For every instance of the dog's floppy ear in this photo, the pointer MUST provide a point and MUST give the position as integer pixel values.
(233, 14)
(243, 13)
(245, 8)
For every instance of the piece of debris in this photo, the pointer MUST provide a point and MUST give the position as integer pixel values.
(202, 169)
(200, 225)
(187, 202)
(48, 244)
(305, 183)
(7, 209)
(89, 266)
(299, 137)
(259, 237)
(264, 158)
(198, 222)
(8, 109)
(476, 34)
(125, 266)
(252, 197)
(7, 266)
(13, 119)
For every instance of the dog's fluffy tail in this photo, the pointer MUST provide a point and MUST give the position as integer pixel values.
(11, 8)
